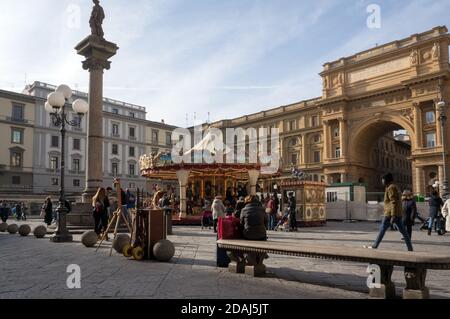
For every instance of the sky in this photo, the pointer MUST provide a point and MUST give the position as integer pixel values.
(183, 59)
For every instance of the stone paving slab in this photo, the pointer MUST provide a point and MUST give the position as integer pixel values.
(36, 268)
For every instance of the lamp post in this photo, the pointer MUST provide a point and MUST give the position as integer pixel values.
(440, 107)
(55, 105)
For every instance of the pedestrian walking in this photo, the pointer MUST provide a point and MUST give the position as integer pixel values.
(23, 208)
(218, 209)
(47, 211)
(409, 211)
(271, 213)
(4, 211)
(435, 208)
(392, 213)
(100, 204)
(446, 214)
(292, 204)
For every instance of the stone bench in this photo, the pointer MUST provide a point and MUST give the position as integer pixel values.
(248, 257)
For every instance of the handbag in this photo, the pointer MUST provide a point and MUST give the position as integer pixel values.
(229, 228)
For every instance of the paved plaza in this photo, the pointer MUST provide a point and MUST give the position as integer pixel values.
(36, 268)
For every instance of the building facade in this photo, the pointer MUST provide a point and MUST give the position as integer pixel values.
(125, 131)
(339, 136)
(17, 119)
(159, 140)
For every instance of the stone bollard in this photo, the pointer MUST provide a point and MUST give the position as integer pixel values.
(164, 250)
(12, 229)
(24, 230)
(120, 242)
(89, 238)
(3, 227)
(40, 231)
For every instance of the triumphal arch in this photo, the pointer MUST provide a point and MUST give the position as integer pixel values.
(390, 87)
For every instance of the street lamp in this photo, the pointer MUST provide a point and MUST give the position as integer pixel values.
(55, 105)
(440, 107)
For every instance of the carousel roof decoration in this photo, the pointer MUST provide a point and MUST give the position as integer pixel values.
(161, 166)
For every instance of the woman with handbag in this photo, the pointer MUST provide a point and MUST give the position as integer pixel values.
(100, 204)
(271, 213)
(47, 211)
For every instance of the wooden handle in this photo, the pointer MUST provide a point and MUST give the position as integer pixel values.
(119, 193)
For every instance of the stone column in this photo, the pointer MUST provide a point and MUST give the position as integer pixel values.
(438, 131)
(418, 125)
(343, 178)
(183, 177)
(326, 141)
(303, 151)
(343, 137)
(420, 181)
(253, 179)
(97, 52)
(441, 179)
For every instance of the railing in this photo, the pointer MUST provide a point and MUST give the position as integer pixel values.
(76, 172)
(16, 120)
(75, 92)
(15, 187)
(50, 170)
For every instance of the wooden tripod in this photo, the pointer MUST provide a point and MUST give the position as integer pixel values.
(116, 218)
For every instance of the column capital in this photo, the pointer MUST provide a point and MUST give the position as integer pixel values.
(97, 52)
(96, 64)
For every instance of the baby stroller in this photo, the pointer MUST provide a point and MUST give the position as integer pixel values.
(283, 224)
(439, 224)
(207, 219)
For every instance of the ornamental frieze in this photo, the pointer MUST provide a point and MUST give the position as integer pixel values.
(408, 114)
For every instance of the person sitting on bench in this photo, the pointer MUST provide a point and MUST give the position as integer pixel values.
(254, 219)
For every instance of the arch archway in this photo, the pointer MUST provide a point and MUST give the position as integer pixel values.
(373, 151)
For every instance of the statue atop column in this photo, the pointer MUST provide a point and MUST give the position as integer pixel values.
(96, 20)
(97, 52)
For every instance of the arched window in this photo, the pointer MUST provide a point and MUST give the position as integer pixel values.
(316, 138)
(293, 142)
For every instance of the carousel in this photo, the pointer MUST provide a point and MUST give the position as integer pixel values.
(200, 183)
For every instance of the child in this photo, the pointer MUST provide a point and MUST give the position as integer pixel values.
(284, 221)
(230, 210)
(206, 217)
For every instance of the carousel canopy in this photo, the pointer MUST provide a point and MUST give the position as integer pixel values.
(161, 166)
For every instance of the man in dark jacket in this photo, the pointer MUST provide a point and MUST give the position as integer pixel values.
(4, 214)
(435, 207)
(292, 203)
(409, 211)
(393, 212)
(254, 219)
